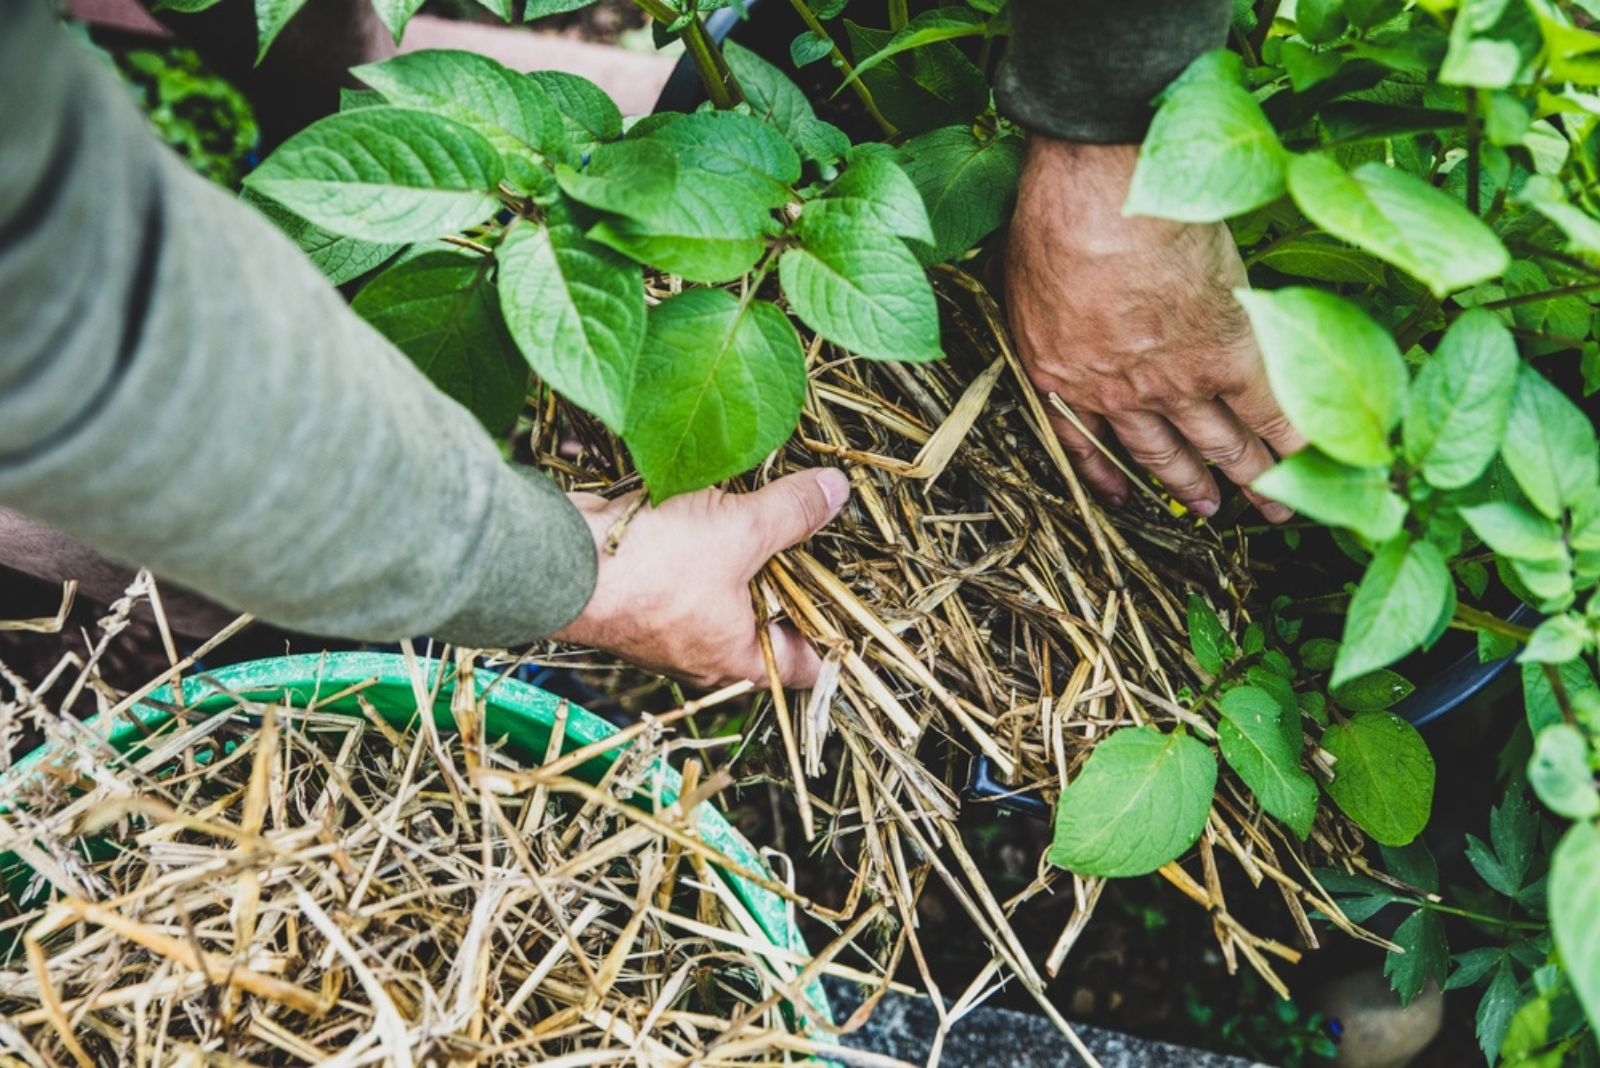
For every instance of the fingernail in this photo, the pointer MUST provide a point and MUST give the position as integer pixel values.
(835, 488)
(1116, 500)
(1204, 509)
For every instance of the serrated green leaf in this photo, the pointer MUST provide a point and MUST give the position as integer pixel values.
(1456, 417)
(1211, 645)
(507, 108)
(1337, 494)
(1337, 374)
(1473, 966)
(875, 188)
(1493, 1017)
(1253, 743)
(1140, 801)
(1382, 776)
(1549, 445)
(719, 385)
(1412, 864)
(1374, 692)
(577, 312)
(1426, 952)
(384, 174)
(1514, 834)
(1399, 218)
(1574, 903)
(1560, 773)
(1394, 610)
(439, 309)
(966, 184)
(1210, 154)
(1517, 532)
(860, 288)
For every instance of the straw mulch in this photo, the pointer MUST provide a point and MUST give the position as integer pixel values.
(973, 599)
(286, 886)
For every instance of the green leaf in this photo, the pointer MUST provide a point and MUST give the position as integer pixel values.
(930, 27)
(1457, 413)
(1493, 1017)
(1337, 494)
(1394, 609)
(1398, 218)
(877, 189)
(271, 17)
(1514, 832)
(1383, 775)
(1317, 258)
(1557, 640)
(1318, 21)
(921, 89)
(1539, 698)
(1337, 374)
(395, 15)
(439, 309)
(507, 108)
(1517, 532)
(1421, 937)
(771, 94)
(730, 149)
(625, 177)
(576, 310)
(1491, 42)
(1210, 154)
(1560, 774)
(809, 47)
(1413, 865)
(1317, 654)
(1140, 801)
(1374, 692)
(1574, 904)
(1549, 445)
(966, 183)
(860, 288)
(1254, 745)
(538, 9)
(588, 115)
(384, 174)
(1211, 644)
(341, 259)
(719, 386)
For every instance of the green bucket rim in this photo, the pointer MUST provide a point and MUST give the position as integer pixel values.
(519, 712)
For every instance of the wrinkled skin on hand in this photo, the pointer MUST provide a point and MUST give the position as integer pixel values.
(1132, 322)
(675, 596)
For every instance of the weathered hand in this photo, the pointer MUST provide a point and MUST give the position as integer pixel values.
(1132, 322)
(675, 596)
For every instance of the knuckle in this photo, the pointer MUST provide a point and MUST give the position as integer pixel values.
(1231, 454)
(1157, 457)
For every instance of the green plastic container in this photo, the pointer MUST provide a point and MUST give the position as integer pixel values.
(521, 714)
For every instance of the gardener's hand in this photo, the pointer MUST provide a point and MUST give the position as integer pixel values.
(1132, 322)
(675, 596)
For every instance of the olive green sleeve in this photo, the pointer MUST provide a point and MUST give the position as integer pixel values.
(180, 389)
(1087, 70)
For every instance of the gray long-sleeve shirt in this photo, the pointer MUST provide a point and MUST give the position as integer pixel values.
(180, 388)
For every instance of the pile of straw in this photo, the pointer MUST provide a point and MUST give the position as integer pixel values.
(286, 886)
(973, 599)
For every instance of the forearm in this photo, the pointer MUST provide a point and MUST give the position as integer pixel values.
(179, 388)
(1087, 70)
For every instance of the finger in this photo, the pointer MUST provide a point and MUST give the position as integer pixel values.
(1102, 476)
(788, 511)
(796, 663)
(1218, 435)
(1258, 410)
(1153, 443)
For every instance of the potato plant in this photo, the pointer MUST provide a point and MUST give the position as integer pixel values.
(1414, 188)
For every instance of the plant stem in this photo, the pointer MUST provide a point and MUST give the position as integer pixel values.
(1269, 13)
(898, 16)
(721, 86)
(842, 65)
(1543, 294)
(1478, 619)
(1479, 917)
